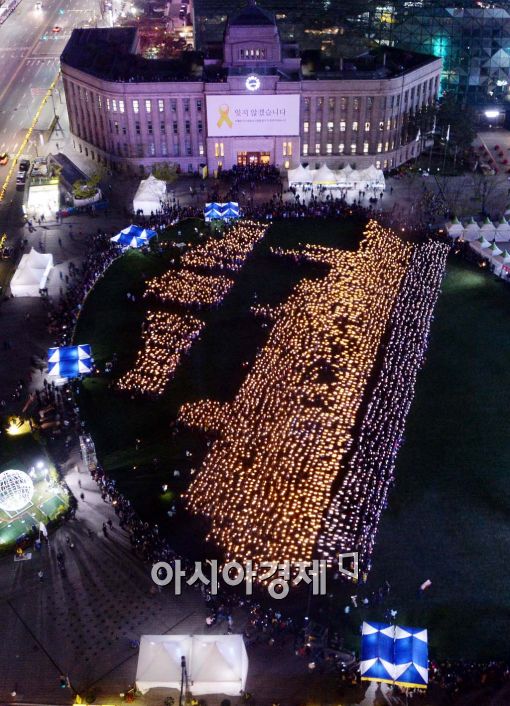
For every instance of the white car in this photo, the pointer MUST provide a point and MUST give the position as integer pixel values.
(38, 5)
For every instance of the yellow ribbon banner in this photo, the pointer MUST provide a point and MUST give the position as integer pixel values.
(224, 117)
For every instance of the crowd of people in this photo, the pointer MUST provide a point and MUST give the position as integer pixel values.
(166, 338)
(276, 458)
(370, 468)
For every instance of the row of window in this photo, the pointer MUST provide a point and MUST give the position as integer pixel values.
(353, 148)
(150, 105)
(429, 87)
(342, 125)
(252, 54)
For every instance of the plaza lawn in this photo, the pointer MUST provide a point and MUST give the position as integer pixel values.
(448, 517)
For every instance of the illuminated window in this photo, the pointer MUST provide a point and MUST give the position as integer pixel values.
(161, 105)
(107, 104)
(386, 146)
(305, 150)
(343, 103)
(136, 107)
(289, 149)
(365, 148)
(317, 148)
(329, 148)
(355, 126)
(306, 126)
(148, 105)
(342, 125)
(114, 104)
(355, 103)
(353, 148)
(99, 102)
(388, 124)
(385, 164)
(216, 149)
(286, 164)
(378, 164)
(284, 149)
(330, 126)
(379, 146)
(367, 126)
(318, 126)
(121, 106)
(200, 149)
(341, 148)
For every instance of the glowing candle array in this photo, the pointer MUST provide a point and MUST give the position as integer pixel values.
(266, 483)
(189, 288)
(166, 337)
(231, 251)
(352, 519)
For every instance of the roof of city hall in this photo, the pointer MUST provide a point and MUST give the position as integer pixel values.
(110, 54)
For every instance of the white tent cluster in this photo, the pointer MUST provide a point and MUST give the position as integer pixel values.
(150, 195)
(31, 274)
(489, 240)
(346, 178)
(216, 664)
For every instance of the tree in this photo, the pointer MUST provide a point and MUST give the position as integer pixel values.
(164, 171)
(457, 122)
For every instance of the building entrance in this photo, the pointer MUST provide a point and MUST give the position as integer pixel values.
(245, 159)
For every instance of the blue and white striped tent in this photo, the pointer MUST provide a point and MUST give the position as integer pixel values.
(221, 211)
(70, 361)
(213, 211)
(394, 655)
(133, 237)
(377, 643)
(411, 657)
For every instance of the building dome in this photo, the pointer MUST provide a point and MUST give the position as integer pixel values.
(252, 16)
(16, 490)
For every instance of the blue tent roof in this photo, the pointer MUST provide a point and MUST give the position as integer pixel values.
(133, 237)
(376, 662)
(70, 361)
(393, 654)
(411, 657)
(221, 211)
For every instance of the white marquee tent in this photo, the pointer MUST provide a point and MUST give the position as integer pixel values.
(488, 229)
(31, 274)
(472, 231)
(216, 664)
(149, 195)
(346, 178)
(502, 231)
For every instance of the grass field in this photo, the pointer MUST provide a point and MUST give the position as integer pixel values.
(448, 518)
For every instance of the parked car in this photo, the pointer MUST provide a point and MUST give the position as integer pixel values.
(4, 158)
(6, 253)
(24, 165)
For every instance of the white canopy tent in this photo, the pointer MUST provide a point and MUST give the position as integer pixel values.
(502, 231)
(149, 195)
(472, 231)
(488, 229)
(346, 178)
(31, 274)
(455, 228)
(216, 664)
